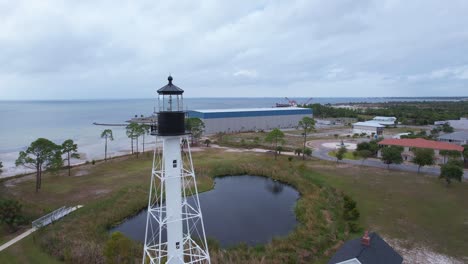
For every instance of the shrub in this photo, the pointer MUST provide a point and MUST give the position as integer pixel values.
(290, 158)
(279, 149)
(93, 162)
(298, 151)
(308, 152)
(351, 213)
(10, 214)
(118, 249)
(354, 227)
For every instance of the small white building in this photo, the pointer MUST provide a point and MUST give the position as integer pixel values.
(385, 120)
(368, 127)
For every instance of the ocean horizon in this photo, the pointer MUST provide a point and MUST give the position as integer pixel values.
(58, 120)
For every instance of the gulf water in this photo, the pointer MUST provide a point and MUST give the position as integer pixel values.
(22, 122)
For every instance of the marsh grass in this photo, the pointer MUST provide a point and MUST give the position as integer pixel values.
(81, 236)
(414, 208)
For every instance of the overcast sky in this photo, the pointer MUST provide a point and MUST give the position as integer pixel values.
(126, 49)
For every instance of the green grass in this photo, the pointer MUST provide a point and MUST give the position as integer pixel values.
(117, 189)
(26, 251)
(348, 155)
(417, 209)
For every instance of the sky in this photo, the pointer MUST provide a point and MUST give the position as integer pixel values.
(126, 49)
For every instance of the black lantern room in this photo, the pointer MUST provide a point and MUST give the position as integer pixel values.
(171, 117)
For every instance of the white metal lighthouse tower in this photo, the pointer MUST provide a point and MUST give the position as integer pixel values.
(174, 227)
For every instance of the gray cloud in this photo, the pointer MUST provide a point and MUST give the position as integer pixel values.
(85, 49)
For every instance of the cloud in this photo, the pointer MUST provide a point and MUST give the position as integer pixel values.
(246, 73)
(458, 72)
(88, 49)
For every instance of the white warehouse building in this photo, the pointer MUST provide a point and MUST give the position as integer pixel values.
(385, 120)
(368, 127)
(249, 119)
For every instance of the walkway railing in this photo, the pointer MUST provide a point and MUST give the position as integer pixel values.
(52, 217)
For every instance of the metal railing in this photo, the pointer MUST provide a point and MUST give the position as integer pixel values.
(51, 217)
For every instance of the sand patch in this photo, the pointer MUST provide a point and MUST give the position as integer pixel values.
(421, 254)
(14, 182)
(81, 172)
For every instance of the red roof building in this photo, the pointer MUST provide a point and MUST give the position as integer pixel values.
(420, 143)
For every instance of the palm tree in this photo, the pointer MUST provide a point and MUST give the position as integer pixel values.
(134, 131)
(146, 130)
(107, 134)
(307, 124)
(139, 130)
(70, 149)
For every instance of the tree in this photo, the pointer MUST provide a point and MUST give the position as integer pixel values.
(138, 131)
(275, 137)
(70, 149)
(363, 146)
(1, 166)
(450, 154)
(465, 153)
(307, 124)
(435, 132)
(145, 130)
(10, 214)
(132, 131)
(107, 134)
(372, 146)
(392, 155)
(207, 142)
(195, 126)
(423, 157)
(41, 155)
(446, 128)
(451, 170)
(298, 151)
(279, 149)
(363, 154)
(308, 152)
(340, 153)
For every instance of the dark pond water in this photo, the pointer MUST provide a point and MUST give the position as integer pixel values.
(249, 209)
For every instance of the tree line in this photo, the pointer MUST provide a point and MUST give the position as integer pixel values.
(44, 155)
(408, 113)
(451, 169)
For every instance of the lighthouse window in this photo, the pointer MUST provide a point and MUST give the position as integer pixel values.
(174, 164)
(177, 245)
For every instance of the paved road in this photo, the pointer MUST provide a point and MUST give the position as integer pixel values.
(322, 153)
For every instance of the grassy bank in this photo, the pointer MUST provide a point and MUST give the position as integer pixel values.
(413, 208)
(114, 190)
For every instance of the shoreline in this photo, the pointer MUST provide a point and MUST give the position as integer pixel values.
(75, 165)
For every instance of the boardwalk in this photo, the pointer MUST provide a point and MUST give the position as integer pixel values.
(41, 222)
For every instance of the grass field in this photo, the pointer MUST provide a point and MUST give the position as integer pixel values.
(419, 210)
(416, 209)
(348, 155)
(117, 189)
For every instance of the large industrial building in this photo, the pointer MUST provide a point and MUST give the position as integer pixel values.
(249, 119)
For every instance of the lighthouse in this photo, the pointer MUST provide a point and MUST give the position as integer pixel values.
(175, 232)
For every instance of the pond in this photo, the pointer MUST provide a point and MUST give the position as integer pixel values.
(248, 209)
